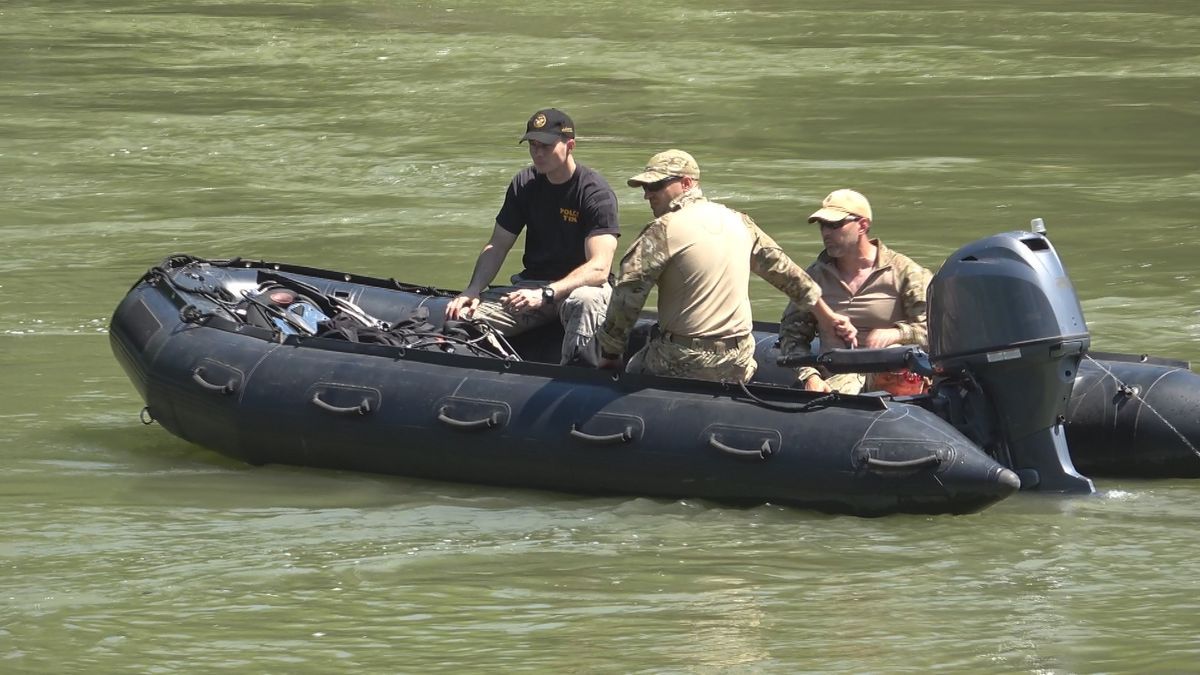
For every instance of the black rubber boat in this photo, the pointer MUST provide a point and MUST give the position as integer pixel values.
(275, 363)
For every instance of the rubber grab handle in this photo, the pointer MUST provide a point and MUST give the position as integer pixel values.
(904, 464)
(360, 409)
(486, 423)
(623, 437)
(762, 453)
(198, 378)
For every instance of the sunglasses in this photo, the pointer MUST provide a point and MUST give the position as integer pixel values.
(659, 185)
(835, 224)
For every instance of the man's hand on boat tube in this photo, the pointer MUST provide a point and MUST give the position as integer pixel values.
(462, 307)
(605, 363)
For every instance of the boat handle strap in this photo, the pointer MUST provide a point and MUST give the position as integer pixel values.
(198, 378)
(903, 464)
(360, 409)
(762, 453)
(623, 437)
(486, 423)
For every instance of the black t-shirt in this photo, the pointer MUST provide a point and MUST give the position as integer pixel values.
(559, 218)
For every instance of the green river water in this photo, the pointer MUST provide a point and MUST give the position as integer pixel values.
(378, 136)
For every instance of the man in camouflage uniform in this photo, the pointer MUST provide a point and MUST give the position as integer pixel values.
(700, 255)
(881, 291)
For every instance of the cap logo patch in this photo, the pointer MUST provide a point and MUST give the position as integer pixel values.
(539, 121)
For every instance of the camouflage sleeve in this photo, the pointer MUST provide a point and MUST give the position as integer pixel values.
(768, 261)
(640, 269)
(797, 329)
(911, 281)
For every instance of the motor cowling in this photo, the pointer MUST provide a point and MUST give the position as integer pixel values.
(1004, 315)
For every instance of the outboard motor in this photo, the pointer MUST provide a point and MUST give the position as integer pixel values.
(1006, 335)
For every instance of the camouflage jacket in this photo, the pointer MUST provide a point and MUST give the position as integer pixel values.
(648, 256)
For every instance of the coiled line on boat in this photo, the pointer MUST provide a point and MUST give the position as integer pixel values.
(781, 407)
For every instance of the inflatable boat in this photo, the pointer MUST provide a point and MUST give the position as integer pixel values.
(276, 363)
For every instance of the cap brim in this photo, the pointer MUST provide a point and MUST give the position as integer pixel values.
(541, 137)
(646, 178)
(828, 214)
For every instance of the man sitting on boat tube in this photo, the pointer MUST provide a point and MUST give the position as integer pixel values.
(700, 255)
(571, 216)
(883, 293)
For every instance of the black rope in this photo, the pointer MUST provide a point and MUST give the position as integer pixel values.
(781, 407)
(428, 340)
(489, 342)
(419, 289)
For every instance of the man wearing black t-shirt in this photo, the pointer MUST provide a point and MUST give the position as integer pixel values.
(571, 216)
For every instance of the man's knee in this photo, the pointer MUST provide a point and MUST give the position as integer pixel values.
(508, 323)
(586, 303)
(589, 297)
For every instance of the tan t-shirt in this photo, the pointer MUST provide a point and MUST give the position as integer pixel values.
(700, 256)
(704, 291)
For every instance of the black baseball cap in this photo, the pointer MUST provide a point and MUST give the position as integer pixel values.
(550, 125)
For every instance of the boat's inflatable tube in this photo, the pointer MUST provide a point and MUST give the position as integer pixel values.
(263, 397)
(1135, 416)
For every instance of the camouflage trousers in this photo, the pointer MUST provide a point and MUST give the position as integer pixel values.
(857, 383)
(663, 357)
(843, 382)
(581, 314)
(847, 383)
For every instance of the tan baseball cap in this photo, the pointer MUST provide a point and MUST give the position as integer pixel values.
(667, 164)
(842, 203)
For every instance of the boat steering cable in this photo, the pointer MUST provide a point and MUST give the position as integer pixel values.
(1135, 393)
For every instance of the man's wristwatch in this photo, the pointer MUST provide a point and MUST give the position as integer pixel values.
(547, 294)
